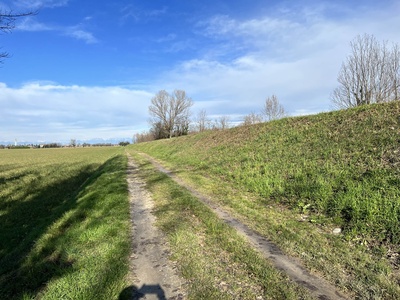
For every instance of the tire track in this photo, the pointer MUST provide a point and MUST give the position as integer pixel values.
(317, 286)
(154, 275)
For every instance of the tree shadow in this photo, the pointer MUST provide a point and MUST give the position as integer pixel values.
(26, 219)
(133, 293)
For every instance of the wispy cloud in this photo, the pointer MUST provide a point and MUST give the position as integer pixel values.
(295, 54)
(35, 4)
(77, 32)
(31, 24)
(134, 12)
(80, 34)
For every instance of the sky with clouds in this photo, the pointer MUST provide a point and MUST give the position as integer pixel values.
(88, 69)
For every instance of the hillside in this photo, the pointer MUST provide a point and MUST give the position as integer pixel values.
(296, 179)
(344, 164)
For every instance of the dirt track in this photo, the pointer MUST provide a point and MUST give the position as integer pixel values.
(154, 275)
(317, 286)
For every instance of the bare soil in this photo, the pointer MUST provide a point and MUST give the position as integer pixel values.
(317, 286)
(153, 274)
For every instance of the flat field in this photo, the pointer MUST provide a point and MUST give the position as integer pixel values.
(64, 216)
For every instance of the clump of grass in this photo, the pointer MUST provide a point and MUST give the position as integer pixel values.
(337, 169)
(65, 224)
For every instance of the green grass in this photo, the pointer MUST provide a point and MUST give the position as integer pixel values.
(64, 218)
(215, 260)
(340, 169)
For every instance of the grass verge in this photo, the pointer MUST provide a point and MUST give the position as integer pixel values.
(65, 224)
(215, 260)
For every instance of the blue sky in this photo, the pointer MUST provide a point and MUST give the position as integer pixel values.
(88, 69)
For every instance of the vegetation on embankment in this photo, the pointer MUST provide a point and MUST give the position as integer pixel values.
(64, 216)
(337, 169)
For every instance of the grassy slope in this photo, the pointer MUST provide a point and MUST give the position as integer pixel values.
(64, 217)
(339, 169)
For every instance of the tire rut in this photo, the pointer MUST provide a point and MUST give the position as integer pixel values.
(153, 274)
(317, 286)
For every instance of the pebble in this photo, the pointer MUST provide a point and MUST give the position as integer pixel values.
(337, 231)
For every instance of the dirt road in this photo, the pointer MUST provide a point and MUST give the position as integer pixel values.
(154, 275)
(317, 286)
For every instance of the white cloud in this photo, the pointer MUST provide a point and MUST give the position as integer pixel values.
(56, 112)
(80, 34)
(34, 4)
(295, 54)
(76, 32)
(31, 24)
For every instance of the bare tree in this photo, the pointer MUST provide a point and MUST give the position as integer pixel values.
(202, 122)
(170, 113)
(252, 118)
(369, 75)
(7, 24)
(273, 110)
(221, 123)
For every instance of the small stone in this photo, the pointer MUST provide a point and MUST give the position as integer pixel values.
(337, 230)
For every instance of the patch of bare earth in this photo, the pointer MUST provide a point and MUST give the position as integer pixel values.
(318, 287)
(153, 274)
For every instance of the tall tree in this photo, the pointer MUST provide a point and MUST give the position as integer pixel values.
(170, 113)
(7, 24)
(370, 74)
(272, 109)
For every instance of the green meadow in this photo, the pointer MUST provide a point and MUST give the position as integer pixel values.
(65, 222)
(64, 218)
(295, 180)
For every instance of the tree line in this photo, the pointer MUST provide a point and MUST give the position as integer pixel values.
(171, 116)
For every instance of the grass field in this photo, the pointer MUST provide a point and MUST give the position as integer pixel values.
(296, 179)
(64, 218)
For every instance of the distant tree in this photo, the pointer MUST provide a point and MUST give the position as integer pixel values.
(123, 144)
(7, 24)
(272, 109)
(143, 137)
(170, 113)
(371, 74)
(72, 143)
(202, 122)
(252, 118)
(221, 123)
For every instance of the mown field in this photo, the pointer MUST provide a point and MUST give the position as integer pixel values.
(295, 180)
(64, 216)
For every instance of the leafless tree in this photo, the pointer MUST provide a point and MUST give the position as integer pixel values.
(371, 74)
(7, 24)
(170, 113)
(221, 123)
(202, 122)
(272, 109)
(252, 118)
(143, 137)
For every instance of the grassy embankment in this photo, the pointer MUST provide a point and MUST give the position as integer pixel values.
(296, 179)
(64, 218)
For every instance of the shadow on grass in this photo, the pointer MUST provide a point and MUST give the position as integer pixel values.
(26, 221)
